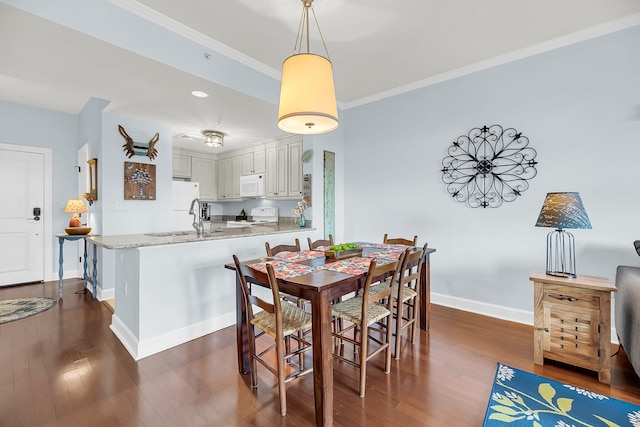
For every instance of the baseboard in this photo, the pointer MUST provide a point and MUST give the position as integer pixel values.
(140, 349)
(105, 294)
(486, 309)
(493, 310)
(126, 337)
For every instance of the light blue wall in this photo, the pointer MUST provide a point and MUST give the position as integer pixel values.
(135, 216)
(37, 127)
(580, 108)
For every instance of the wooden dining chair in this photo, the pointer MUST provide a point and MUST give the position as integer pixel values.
(405, 297)
(280, 321)
(318, 243)
(271, 251)
(400, 240)
(366, 314)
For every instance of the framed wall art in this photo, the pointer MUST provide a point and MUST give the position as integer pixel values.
(139, 181)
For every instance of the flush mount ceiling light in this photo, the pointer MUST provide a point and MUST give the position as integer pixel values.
(213, 138)
(199, 94)
(307, 94)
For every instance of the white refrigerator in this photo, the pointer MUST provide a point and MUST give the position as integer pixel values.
(182, 195)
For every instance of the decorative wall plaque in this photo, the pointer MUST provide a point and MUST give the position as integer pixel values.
(132, 148)
(139, 181)
(489, 166)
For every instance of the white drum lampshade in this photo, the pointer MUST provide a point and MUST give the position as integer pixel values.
(307, 95)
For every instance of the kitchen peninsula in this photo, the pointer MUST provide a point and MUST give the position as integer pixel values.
(171, 288)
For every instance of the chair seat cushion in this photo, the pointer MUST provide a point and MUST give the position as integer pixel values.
(351, 310)
(293, 320)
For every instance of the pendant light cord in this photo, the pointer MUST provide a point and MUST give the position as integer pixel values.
(304, 22)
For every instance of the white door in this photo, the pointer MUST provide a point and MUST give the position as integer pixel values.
(21, 234)
(83, 187)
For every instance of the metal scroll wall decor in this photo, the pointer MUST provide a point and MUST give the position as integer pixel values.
(489, 166)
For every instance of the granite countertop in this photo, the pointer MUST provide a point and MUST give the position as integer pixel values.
(213, 231)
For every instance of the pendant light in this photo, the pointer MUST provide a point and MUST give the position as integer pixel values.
(307, 94)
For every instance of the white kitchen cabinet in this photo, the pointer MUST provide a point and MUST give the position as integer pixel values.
(295, 169)
(253, 162)
(246, 163)
(229, 171)
(277, 176)
(204, 172)
(224, 179)
(259, 165)
(270, 171)
(181, 166)
(236, 173)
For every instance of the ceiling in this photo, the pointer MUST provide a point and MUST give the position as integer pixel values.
(377, 47)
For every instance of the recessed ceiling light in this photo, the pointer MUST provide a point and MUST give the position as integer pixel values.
(199, 94)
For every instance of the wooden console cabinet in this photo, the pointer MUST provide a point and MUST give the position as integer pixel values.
(572, 321)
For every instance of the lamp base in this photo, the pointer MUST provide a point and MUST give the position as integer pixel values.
(561, 258)
(562, 274)
(78, 230)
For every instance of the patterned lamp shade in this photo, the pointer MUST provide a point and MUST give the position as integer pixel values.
(75, 206)
(563, 210)
(560, 211)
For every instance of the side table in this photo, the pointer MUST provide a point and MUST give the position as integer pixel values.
(85, 277)
(572, 321)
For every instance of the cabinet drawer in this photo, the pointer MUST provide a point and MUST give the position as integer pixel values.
(571, 297)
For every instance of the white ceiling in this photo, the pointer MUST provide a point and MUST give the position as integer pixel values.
(377, 47)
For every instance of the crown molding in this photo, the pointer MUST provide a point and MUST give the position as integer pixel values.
(176, 27)
(569, 39)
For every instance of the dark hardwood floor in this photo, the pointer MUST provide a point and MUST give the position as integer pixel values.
(64, 367)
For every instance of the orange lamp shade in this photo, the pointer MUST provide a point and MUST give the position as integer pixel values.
(307, 95)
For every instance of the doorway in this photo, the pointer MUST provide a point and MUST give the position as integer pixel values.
(25, 214)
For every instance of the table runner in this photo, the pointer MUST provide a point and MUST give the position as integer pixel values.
(297, 256)
(284, 269)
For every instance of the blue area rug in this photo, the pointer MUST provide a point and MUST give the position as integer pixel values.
(520, 398)
(14, 309)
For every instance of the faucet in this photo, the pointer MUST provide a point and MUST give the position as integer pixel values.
(197, 217)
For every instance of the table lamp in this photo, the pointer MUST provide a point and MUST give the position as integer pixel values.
(562, 210)
(76, 207)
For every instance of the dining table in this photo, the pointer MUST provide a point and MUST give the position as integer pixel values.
(311, 275)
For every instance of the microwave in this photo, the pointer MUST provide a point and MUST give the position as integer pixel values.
(252, 185)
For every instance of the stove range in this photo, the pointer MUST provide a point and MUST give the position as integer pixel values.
(260, 216)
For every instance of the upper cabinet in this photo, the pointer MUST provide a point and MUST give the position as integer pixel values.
(219, 179)
(181, 166)
(225, 182)
(204, 172)
(252, 162)
(277, 159)
(294, 171)
(259, 161)
(197, 169)
(284, 171)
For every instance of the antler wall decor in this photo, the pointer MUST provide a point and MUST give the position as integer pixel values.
(130, 147)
